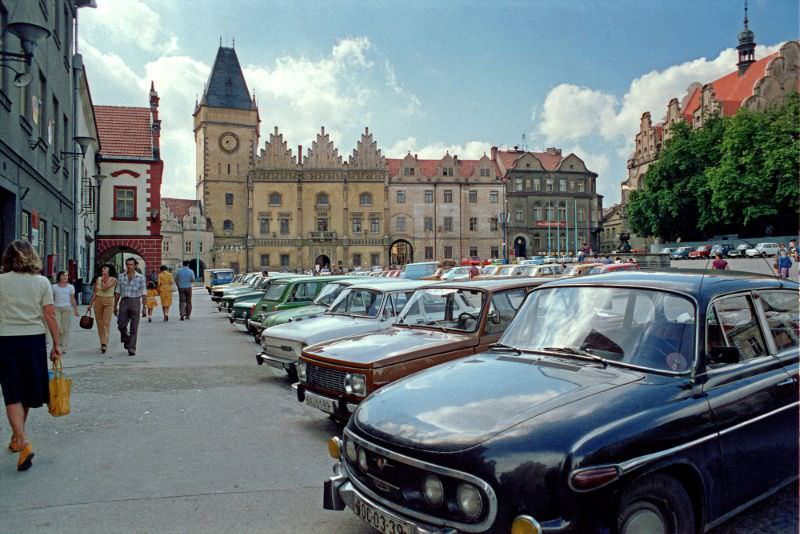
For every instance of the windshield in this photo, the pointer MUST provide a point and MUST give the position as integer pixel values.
(641, 327)
(454, 309)
(505, 270)
(275, 291)
(358, 301)
(222, 277)
(329, 294)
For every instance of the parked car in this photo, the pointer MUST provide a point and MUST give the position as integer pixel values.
(256, 286)
(456, 273)
(631, 402)
(720, 249)
(739, 251)
(364, 307)
(533, 260)
(581, 269)
(681, 253)
(701, 252)
(282, 293)
(440, 322)
(244, 280)
(666, 250)
(763, 250)
(475, 260)
(216, 277)
(614, 267)
(553, 269)
(415, 271)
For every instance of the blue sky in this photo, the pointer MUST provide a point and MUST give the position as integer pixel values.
(426, 76)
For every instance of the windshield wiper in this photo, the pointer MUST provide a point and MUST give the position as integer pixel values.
(577, 351)
(500, 347)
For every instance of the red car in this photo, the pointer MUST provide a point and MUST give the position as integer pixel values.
(611, 267)
(475, 260)
(703, 251)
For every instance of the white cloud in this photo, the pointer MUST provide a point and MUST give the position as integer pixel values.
(571, 112)
(467, 150)
(391, 80)
(110, 67)
(129, 23)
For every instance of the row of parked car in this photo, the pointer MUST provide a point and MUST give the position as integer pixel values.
(630, 402)
(743, 250)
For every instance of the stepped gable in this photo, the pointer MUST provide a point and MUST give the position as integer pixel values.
(366, 154)
(276, 153)
(323, 154)
(226, 86)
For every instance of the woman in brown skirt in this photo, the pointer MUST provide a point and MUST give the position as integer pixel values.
(26, 306)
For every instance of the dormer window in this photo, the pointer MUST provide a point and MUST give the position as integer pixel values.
(447, 171)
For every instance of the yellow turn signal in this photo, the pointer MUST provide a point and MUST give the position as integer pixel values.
(525, 524)
(334, 447)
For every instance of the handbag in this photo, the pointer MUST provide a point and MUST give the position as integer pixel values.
(86, 321)
(60, 388)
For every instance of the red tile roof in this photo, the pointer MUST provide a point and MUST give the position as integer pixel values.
(124, 131)
(549, 160)
(429, 168)
(179, 206)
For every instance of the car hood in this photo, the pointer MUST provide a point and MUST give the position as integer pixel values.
(461, 404)
(293, 314)
(318, 329)
(389, 346)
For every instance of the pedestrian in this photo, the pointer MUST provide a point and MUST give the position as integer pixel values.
(474, 271)
(103, 302)
(131, 295)
(719, 263)
(26, 306)
(617, 259)
(784, 264)
(607, 260)
(165, 282)
(183, 279)
(152, 293)
(65, 306)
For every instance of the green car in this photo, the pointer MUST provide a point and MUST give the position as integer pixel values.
(282, 294)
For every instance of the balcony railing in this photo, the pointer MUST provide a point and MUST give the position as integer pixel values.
(322, 236)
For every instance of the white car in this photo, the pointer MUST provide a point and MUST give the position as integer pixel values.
(361, 308)
(763, 249)
(456, 273)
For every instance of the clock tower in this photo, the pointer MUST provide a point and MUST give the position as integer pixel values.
(226, 125)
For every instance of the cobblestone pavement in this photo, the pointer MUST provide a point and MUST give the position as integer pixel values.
(191, 435)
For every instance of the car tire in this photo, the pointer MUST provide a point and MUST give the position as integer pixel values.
(655, 504)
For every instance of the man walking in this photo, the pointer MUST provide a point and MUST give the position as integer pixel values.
(183, 279)
(130, 296)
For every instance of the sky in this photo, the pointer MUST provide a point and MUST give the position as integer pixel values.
(426, 76)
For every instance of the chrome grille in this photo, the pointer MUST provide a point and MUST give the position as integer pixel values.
(326, 378)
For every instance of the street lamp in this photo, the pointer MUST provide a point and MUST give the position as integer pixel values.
(30, 35)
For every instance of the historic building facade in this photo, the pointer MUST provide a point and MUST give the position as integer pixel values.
(552, 202)
(185, 235)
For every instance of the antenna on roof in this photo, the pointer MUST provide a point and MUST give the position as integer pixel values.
(220, 41)
(524, 144)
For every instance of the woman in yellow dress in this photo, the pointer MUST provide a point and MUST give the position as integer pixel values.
(152, 293)
(165, 290)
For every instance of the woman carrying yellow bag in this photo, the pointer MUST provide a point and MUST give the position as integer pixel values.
(60, 387)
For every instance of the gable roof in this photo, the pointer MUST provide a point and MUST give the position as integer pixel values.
(549, 160)
(124, 131)
(179, 206)
(226, 87)
(463, 168)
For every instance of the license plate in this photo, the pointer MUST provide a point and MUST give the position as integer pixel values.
(379, 520)
(321, 403)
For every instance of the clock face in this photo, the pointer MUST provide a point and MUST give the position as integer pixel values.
(229, 142)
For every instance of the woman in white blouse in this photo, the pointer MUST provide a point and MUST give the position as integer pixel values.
(66, 306)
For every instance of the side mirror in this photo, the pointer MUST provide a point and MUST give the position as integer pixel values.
(494, 317)
(724, 355)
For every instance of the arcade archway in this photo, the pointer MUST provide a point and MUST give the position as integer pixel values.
(520, 247)
(322, 262)
(401, 252)
(117, 256)
(197, 269)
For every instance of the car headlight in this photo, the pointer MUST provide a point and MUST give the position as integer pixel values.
(433, 489)
(469, 500)
(301, 371)
(350, 450)
(362, 460)
(355, 384)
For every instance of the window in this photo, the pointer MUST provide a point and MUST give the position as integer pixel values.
(322, 199)
(229, 169)
(401, 197)
(448, 224)
(549, 185)
(562, 186)
(781, 311)
(284, 260)
(375, 259)
(428, 196)
(537, 213)
(494, 252)
(42, 238)
(473, 251)
(580, 185)
(284, 224)
(518, 185)
(275, 199)
(448, 196)
(187, 247)
(54, 240)
(375, 225)
(473, 226)
(400, 223)
(448, 252)
(518, 216)
(124, 202)
(447, 171)
(264, 260)
(365, 199)
(227, 225)
(263, 225)
(732, 322)
(562, 213)
(485, 172)
(428, 224)
(408, 171)
(493, 197)
(492, 224)
(356, 225)
(42, 105)
(200, 246)
(229, 199)
(322, 224)
(165, 245)
(537, 184)
(356, 260)
(473, 197)
(25, 226)
(581, 214)
(53, 133)
(503, 309)
(428, 253)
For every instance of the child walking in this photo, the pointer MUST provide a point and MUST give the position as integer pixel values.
(152, 293)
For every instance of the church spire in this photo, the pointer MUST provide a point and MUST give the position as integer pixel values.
(747, 45)
(226, 87)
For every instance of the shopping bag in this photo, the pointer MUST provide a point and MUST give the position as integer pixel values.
(86, 321)
(60, 387)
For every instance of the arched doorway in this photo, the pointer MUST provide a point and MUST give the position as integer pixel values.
(520, 247)
(198, 271)
(322, 262)
(401, 252)
(117, 256)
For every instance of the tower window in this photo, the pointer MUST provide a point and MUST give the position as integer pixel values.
(227, 225)
(229, 199)
(275, 199)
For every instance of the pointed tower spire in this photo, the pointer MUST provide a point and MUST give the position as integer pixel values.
(226, 87)
(747, 45)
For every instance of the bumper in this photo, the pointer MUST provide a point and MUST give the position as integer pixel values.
(324, 403)
(254, 326)
(278, 363)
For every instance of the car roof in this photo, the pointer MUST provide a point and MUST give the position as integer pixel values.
(495, 284)
(688, 281)
(292, 278)
(397, 284)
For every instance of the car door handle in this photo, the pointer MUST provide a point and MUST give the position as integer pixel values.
(787, 382)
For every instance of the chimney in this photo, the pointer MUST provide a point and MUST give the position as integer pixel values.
(554, 150)
(494, 153)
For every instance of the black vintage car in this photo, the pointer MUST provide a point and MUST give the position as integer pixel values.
(629, 402)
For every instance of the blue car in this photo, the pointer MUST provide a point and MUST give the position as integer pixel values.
(681, 253)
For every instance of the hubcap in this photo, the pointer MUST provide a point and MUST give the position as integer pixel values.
(644, 522)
